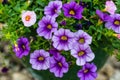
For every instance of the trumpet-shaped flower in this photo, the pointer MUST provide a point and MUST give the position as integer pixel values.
(83, 54)
(53, 9)
(88, 72)
(28, 18)
(62, 39)
(40, 60)
(47, 26)
(22, 47)
(73, 9)
(58, 65)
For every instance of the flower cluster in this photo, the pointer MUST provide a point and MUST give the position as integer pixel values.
(112, 21)
(78, 43)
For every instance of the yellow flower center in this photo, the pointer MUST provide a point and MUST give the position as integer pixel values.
(81, 40)
(81, 53)
(72, 12)
(23, 46)
(27, 18)
(49, 26)
(85, 71)
(60, 64)
(117, 22)
(41, 58)
(64, 38)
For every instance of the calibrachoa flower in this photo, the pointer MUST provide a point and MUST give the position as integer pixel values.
(63, 23)
(88, 72)
(114, 23)
(73, 9)
(4, 70)
(47, 26)
(117, 35)
(54, 52)
(78, 26)
(103, 16)
(28, 18)
(58, 65)
(40, 60)
(83, 54)
(53, 9)
(82, 38)
(22, 47)
(62, 39)
(83, 4)
(110, 7)
(4, 1)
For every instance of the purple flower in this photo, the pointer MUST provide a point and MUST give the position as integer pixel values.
(114, 23)
(73, 9)
(47, 26)
(83, 4)
(40, 60)
(63, 23)
(62, 39)
(53, 9)
(4, 70)
(58, 65)
(54, 52)
(82, 38)
(5, 1)
(88, 72)
(22, 47)
(103, 16)
(83, 54)
(78, 26)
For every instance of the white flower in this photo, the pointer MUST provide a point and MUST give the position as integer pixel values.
(28, 18)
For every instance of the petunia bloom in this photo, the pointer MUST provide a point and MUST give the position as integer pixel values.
(54, 52)
(47, 26)
(78, 26)
(40, 60)
(110, 7)
(114, 23)
(73, 9)
(58, 65)
(117, 35)
(63, 23)
(62, 39)
(103, 16)
(88, 72)
(82, 38)
(28, 18)
(83, 4)
(22, 47)
(53, 9)
(4, 70)
(4, 1)
(83, 54)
